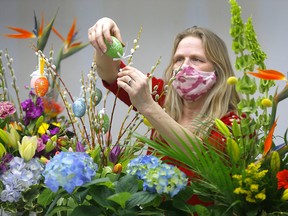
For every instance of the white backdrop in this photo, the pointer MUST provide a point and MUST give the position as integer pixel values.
(160, 19)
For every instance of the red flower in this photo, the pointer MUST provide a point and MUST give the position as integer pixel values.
(282, 177)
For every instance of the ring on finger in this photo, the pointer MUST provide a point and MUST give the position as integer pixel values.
(129, 82)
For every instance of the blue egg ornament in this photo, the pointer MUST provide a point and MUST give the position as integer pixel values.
(79, 107)
(114, 50)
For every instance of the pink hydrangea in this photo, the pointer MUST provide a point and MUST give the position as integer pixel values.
(6, 108)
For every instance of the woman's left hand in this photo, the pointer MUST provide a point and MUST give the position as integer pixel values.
(135, 83)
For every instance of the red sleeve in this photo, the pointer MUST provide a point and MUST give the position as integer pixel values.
(123, 95)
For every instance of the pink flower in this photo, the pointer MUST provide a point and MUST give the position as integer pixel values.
(6, 108)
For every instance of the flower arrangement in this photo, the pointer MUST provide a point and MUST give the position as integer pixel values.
(59, 164)
(250, 176)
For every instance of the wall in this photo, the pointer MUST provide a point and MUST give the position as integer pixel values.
(160, 19)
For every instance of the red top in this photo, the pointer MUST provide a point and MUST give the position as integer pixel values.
(216, 139)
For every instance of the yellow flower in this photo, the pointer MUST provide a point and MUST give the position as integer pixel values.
(28, 147)
(266, 102)
(232, 80)
(43, 128)
(260, 196)
(254, 187)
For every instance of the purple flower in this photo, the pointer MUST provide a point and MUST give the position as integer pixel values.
(40, 145)
(45, 138)
(114, 153)
(80, 147)
(32, 110)
(6, 108)
(54, 130)
(4, 162)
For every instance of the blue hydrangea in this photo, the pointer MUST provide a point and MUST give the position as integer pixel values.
(69, 170)
(19, 177)
(165, 179)
(157, 177)
(141, 164)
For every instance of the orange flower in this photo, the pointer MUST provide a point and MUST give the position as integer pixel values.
(268, 75)
(52, 108)
(282, 177)
(70, 36)
(269, 139)
(39, 32)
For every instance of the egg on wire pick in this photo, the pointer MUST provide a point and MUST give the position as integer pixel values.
(114, 50)
(41, 86)
(79, 107)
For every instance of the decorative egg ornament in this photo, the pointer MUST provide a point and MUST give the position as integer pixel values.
(104, 121)
(41, 86)
(79, 107)
(114, 50)
(98, 96)
(34, 76)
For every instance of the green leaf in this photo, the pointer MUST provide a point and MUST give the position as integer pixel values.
(39, 121)
(73, 50)
(41, 42)
(120, 198)
(100, 193)
(140, 198)
(128, 183)
(86, 211)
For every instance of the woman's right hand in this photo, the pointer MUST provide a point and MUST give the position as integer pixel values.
(102, 30)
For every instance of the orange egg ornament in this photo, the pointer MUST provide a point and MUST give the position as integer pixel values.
(41, 86)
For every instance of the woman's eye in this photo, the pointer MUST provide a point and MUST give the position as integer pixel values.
(197, 60)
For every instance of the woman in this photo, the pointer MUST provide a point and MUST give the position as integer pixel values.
(200, 67)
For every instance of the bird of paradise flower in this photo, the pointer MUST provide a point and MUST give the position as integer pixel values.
(39, 32)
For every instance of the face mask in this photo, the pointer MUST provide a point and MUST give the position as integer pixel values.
(191, 84)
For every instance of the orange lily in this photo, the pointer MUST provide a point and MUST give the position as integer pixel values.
(268, 140)
(268, 74)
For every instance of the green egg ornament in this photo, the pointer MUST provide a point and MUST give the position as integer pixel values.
(114, 50)
(98, 96)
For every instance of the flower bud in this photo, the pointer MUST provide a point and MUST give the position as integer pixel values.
(2, 150)
(28, 147)
(146, 122)
(275, 162)
(79, 147)
(222, 127)
(117, 168)
(285, 195)
(44, 160)
(232, 80)
(233, 150)
(114, 153)
(266, 102)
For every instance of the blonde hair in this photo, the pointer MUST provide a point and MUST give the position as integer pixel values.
(222, 97)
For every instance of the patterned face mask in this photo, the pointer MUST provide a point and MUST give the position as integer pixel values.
(191, 84)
